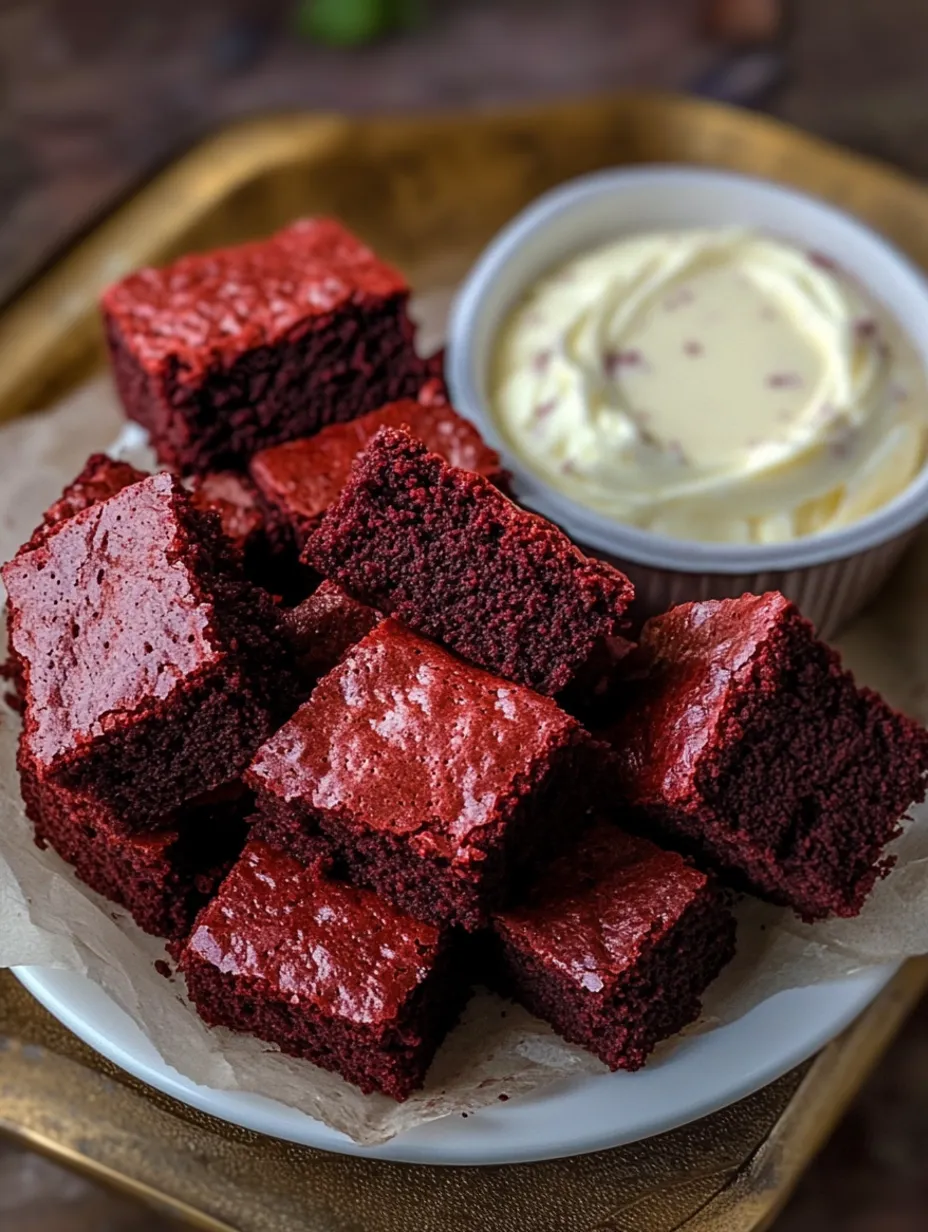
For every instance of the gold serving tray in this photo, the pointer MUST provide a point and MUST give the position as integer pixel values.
(428, 192)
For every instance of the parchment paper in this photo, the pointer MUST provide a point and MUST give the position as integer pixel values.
(48, 918)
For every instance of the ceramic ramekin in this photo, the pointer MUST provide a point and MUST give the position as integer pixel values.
(829, 575)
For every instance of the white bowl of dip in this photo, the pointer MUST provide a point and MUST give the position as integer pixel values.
(830, 572)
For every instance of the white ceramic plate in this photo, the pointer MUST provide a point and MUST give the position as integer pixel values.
(702, 1074)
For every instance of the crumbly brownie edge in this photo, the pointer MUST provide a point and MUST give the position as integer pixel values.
(143, 400)
(246, 618)
(162, 896)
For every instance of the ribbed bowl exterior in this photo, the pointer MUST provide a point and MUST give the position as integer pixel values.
(829, 594)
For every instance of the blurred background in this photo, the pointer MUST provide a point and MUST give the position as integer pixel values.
(97, 94)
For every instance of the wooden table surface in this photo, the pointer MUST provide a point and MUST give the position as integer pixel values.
(95, 93)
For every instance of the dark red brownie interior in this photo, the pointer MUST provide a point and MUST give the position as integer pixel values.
(101, 477)
(595, 695)
(615, 945)
(439, 785)
(225, 353)
(448, 554)
(328, 972)
(749, 742)
(300, 479)
(151, 669)
(323, 628)
(234, 498)
(162, 878)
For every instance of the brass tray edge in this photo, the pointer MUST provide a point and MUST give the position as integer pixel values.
(55, 318)
(762, 1186)
(747, 1201)
(111, 1178)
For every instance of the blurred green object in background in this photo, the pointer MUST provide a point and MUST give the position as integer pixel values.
(349, 23)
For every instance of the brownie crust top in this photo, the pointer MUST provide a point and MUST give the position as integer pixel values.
(307, 475)
(231, 300)
(411, 738)
(344, 950)
(107, 616)
(693, 655)
(597, 907)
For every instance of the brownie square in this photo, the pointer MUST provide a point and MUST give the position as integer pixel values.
(326, 971)
(749, 743)
(615, 945)
(300, 479)
(323, 628)
(101, 477)
(162, 878)
(225, 353)
(448, 554)
(151, 669)
(440, 786)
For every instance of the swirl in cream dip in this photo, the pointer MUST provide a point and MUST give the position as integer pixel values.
(719, 385)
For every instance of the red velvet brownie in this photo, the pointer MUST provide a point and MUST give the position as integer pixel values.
(448, 554)
(299, 480)
(748, 742)
(323, 628)
(225, 353)
(615, 945)
(162, 878)
(325, 971)
(101, 477)
(151, 668)
(439, 785)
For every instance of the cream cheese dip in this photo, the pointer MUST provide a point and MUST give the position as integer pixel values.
(717, 385)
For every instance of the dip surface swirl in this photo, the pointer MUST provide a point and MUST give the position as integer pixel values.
(715, 385)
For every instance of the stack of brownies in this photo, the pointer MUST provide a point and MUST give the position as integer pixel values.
(314, 703)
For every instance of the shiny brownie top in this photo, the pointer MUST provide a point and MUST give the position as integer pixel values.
(596, 908)
(345, 951)
(101, 477)
(689, 660)
(234, 499)
(107, 616)
(303, 477)
(404, 737)
(219, 304)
